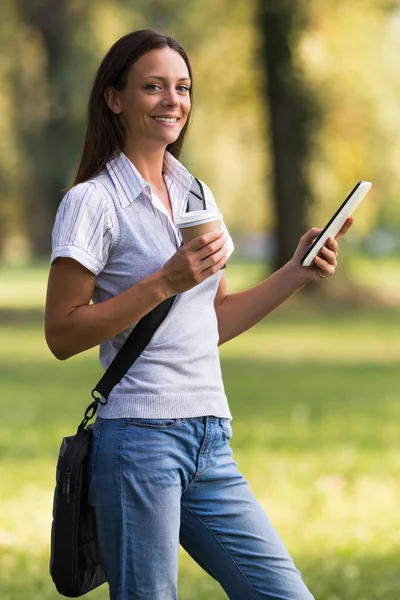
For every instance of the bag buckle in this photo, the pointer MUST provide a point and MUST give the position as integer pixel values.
(90, 411)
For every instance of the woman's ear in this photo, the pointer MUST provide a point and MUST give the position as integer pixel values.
(112, 100)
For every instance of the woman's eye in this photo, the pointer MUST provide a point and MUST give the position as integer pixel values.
(154, 87)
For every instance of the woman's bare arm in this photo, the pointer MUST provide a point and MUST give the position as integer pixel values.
(73, 325)
(239, 312)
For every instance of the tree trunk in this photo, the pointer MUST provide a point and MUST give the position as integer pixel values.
(47, 145)
(290, 120)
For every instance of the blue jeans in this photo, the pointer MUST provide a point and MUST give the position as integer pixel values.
(160, 482)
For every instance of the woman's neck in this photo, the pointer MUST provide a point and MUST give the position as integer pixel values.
(148, 163)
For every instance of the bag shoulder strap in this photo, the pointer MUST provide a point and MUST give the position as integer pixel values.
(196, 194)
(141, 334)
(131, 349)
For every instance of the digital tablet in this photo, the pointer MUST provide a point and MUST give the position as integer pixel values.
(337, 221)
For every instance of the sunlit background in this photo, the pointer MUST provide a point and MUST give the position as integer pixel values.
(310, 90)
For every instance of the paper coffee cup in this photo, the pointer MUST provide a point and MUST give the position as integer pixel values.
(197, 222)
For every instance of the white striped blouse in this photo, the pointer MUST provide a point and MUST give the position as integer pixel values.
(119, 230)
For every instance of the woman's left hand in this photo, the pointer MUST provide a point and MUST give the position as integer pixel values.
(324, 265)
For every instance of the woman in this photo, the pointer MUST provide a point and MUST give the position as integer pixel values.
(161, 464)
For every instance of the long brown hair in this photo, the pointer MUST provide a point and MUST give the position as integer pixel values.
(105, 135)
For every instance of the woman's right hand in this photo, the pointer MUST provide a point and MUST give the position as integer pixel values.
(194, 262)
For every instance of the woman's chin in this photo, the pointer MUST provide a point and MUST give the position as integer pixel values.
(169, 139)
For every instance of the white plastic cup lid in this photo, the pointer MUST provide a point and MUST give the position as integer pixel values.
(197, 217)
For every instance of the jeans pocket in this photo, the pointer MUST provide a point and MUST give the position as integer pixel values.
(226, 428)
(153, 423)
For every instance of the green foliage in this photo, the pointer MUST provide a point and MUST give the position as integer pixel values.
(315, 403)
(347, 56)
(350, 56)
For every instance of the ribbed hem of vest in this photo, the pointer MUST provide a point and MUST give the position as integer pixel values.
(164, 407)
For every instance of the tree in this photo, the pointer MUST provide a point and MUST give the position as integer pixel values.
(45, 129)
(291, 115)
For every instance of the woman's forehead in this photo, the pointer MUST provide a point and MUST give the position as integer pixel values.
(164, 62)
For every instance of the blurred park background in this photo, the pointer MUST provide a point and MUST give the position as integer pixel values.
(294, 102)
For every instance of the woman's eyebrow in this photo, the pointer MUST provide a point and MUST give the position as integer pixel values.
(165, 79)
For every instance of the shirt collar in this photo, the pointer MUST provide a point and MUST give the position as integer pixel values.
(129, 183)
(177, 171)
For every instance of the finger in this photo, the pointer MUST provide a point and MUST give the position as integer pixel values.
(211, 260)
(332, 244)
(348, 223)
(210, 248)
(214, 268)
(203, 240)
(328, 255)
(325, 269)
(311, 234)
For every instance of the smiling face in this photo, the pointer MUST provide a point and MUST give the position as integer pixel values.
(154, 104)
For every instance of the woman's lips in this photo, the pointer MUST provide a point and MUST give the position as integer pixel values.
(167, 123)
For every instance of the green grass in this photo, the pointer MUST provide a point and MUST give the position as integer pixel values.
(316, 407)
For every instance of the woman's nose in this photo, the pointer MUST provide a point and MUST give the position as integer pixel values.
(171, 98)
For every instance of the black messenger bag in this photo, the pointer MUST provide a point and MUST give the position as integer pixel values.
(74, 558)
(74, 561)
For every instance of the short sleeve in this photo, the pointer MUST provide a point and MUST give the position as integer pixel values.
(211, 203)
(83, 228)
